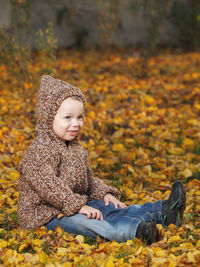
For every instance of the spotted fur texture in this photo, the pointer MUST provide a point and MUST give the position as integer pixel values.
(55, 176)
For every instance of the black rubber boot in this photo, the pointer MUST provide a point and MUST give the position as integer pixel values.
(147, 232)
(173, 207)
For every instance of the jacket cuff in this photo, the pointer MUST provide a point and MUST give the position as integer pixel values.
(108, 190)
(114, 191)
(76, 204)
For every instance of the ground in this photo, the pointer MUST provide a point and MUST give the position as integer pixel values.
(142, 132)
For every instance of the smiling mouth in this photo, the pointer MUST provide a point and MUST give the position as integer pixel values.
(72, 133)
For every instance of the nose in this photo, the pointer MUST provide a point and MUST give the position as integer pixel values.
(75, 123)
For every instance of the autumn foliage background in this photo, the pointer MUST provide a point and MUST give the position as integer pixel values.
(142, 132)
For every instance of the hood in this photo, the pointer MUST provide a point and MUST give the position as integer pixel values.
(52, 93)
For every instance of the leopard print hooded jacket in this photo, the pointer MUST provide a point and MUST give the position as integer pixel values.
(55, 176)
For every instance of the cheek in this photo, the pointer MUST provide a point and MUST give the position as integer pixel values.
(65, 124)
(60, 125)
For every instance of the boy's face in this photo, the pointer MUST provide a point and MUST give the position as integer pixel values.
(69, 119)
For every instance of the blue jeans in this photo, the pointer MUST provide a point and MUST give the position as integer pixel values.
(118, 224)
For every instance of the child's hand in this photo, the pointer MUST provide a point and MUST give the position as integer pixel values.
(110, 198)
(91, 213)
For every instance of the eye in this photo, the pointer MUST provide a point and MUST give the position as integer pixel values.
(68, 117)
(81, 118)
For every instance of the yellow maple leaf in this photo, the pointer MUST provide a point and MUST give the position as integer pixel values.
(60, 215)
(149, 100)
(157, 194)
(36, 242)
(136, 261)
(92, 115)
(138, 252)
(3, 244)
(187, 173)
(109, 263)
(193, 122)
(62, 251)
(118, 147)
(187, 245)
(59, 230)
(158, 261)
(198, 244)
(80, 239)
(23, 246)
(43, 257)
(119, 133)
(188, 143)
(191, 257)
(175, 238)
(67, 264)
(172, 263)
(161, 254)
(13, 174)
(130, 168)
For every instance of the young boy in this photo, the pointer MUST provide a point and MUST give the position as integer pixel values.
(55, 178)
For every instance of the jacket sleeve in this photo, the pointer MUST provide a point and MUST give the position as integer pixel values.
(42, 177)
(97, 189)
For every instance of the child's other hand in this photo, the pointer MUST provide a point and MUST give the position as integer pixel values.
(91, 213)
(110, 198)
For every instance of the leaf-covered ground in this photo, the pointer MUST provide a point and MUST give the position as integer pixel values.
(142, 132)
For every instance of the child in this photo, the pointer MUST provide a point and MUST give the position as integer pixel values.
(55, 178)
